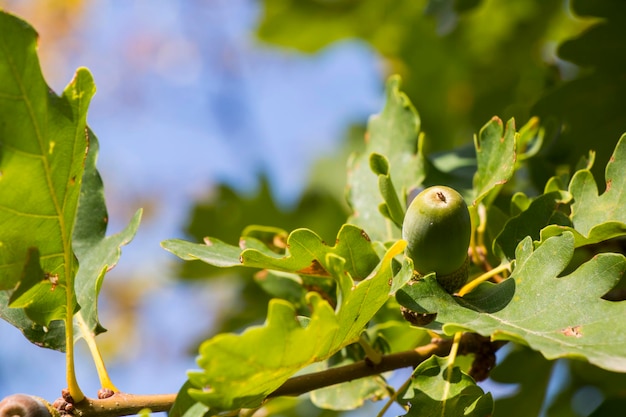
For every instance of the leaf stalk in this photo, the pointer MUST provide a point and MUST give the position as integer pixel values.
(470, 286)
(103, 375)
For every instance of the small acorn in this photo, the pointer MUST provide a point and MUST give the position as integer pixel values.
(22, 405)
(437, 228)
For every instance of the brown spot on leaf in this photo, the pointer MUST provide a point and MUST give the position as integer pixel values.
(575, 331)
(54, 280)
(417, 319)
(609, 182)
(314, 269)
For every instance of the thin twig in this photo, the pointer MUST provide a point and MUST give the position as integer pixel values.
(304, 383)
(122, 404)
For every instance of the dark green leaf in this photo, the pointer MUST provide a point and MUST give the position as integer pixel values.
(185, 405)
(441, 389)
(36, 285)
(541, 212)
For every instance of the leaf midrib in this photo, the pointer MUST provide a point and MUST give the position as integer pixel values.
(59, 210)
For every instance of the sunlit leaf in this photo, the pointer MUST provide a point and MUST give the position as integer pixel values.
(597, 217)
(226, 213)
(306, 253)
(394, 134)
(495, 157)
(241, 370)
(391, 208)
(96, 253)
(43, 141)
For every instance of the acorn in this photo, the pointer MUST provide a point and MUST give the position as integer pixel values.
(437, 228)
(22, 405)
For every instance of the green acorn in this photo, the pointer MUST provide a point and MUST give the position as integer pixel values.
(437, 228)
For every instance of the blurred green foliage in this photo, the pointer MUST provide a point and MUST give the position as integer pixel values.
(587, 112)
(461, 62)
(464, 61)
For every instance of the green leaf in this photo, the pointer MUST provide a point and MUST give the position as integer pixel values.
(560, 316)
(495, 156)
(590, 210)
(51, 336)
(438, 389)
(541, 212)
(597, 217)
(96, 253)
(282, 285)
(307, 253)
(262, 358)
(39, 286)
(530, 139)
(186, 406)
(42, 151)
(394, 134)
(391, 208)
(226, 214)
